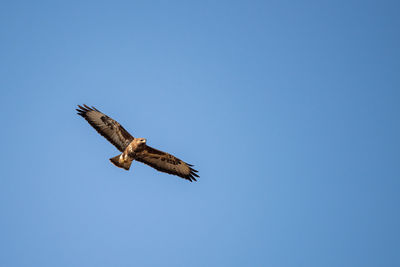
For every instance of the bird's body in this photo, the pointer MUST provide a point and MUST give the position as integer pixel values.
(134, 148)
(125, 159)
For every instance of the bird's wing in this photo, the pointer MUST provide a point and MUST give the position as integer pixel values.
(165, 162)
(107, 127)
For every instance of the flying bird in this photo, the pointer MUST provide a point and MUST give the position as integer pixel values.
(134, 148)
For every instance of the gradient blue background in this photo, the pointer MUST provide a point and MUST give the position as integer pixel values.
(289, 110)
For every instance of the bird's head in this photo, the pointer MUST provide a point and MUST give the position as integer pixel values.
(141, 141)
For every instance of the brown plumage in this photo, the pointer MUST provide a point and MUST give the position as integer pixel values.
(134, 148)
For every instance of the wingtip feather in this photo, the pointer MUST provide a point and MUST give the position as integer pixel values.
(85, 108)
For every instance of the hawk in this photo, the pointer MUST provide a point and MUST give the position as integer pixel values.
(134, 148)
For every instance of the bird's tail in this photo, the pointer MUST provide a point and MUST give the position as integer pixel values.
(119, 162)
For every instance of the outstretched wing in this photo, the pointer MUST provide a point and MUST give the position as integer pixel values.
(107, 127)
(165, 162)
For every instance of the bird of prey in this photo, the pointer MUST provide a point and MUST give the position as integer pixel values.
(134, 148)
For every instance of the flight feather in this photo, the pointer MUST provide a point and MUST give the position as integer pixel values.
(106, 126)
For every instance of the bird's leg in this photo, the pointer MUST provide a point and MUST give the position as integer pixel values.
(123, 158)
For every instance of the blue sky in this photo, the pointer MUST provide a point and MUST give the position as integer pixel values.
(289, 110)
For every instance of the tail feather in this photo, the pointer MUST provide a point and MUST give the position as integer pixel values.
(121, 164)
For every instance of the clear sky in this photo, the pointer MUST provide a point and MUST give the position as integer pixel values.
(288, 109)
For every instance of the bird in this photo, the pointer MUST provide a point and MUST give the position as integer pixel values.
(134, 148)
